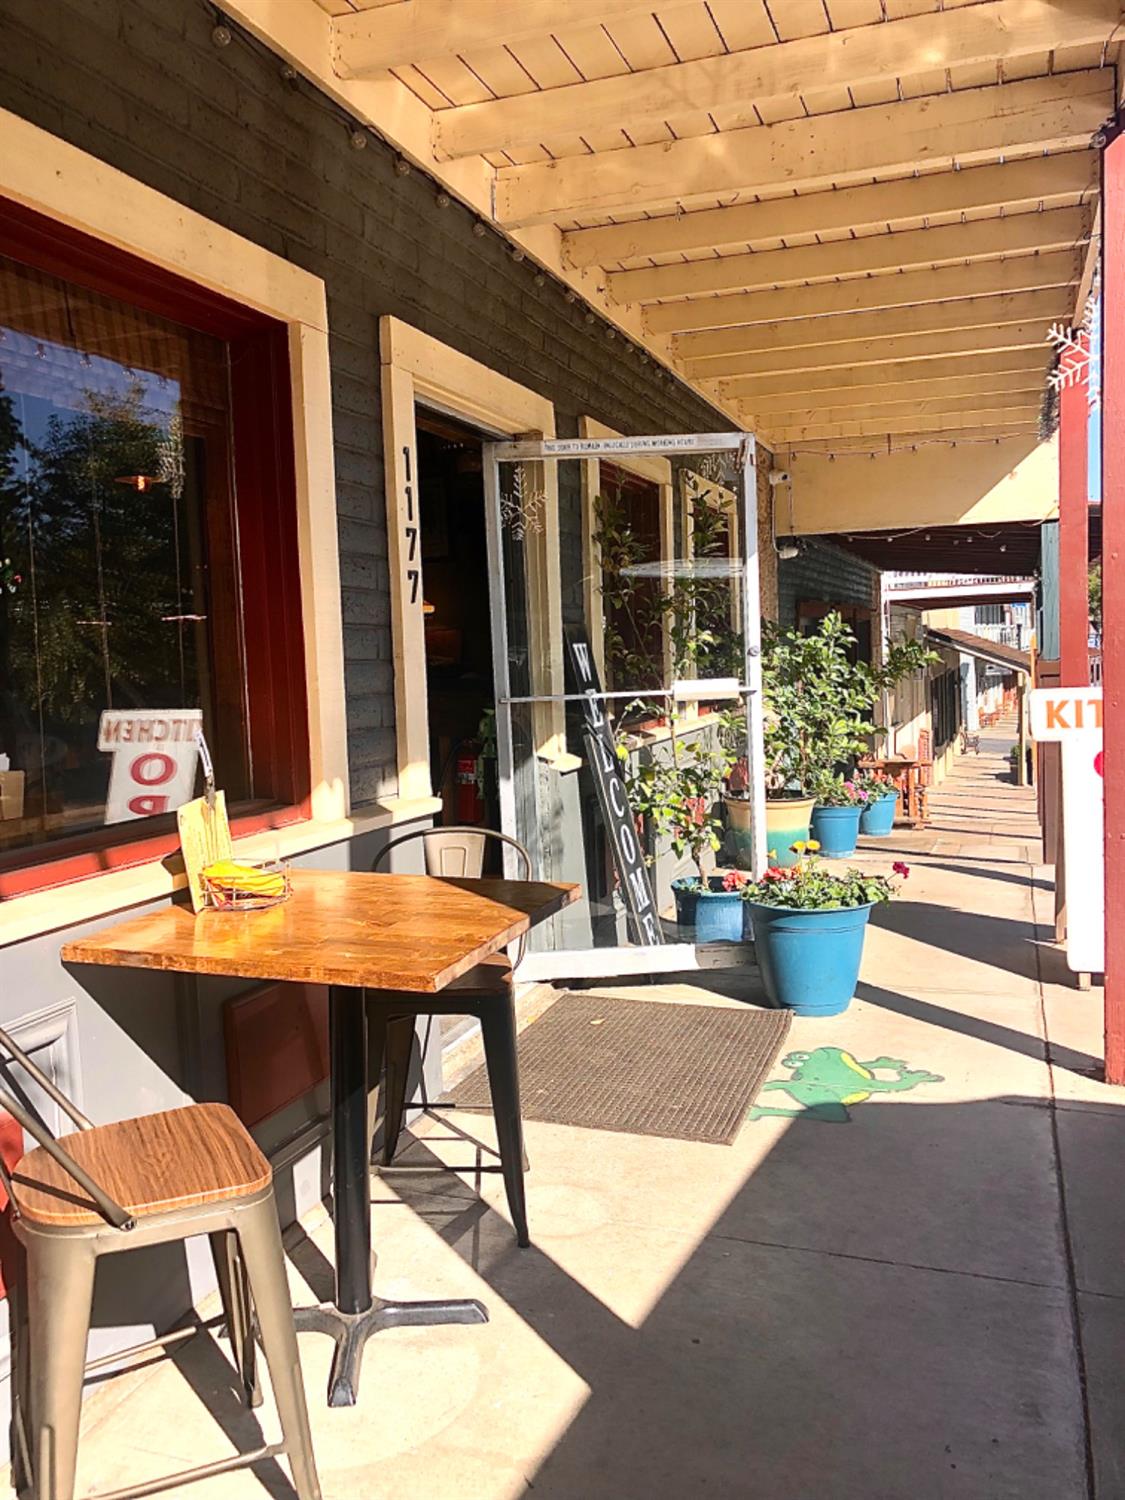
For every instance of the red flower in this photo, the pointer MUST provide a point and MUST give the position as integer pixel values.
(733, 880)
(900, 869)
(775, 872)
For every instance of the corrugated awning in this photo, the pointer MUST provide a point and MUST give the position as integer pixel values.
(1007, 658)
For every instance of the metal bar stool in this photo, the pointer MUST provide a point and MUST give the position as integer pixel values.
(486, 992)
(108, 1188)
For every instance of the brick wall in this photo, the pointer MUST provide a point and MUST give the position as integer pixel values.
(139, 84)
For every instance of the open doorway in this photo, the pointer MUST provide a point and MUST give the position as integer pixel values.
(457, 620)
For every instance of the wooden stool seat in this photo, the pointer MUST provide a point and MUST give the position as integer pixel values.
(151, 1165)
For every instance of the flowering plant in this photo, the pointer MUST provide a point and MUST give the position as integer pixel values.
(10, 580)
(808, 886)
(877, 784)
(834, 791)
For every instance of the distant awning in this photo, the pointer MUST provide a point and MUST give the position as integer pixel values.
(1007, 658)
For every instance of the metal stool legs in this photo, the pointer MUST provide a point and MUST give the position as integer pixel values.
(238, 1312)
(398, 1049)
(260, 1244)
(59, 1291)
(497, 1016)
(498, 1028)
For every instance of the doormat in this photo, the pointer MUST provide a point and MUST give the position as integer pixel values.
(645, 1067)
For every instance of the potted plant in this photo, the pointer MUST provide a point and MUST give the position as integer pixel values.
(835, 817)
(877, 819)
(809, 925)
(677, 796)
(818, 707)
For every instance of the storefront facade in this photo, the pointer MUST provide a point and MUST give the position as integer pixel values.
(237, 348)
(215, 304)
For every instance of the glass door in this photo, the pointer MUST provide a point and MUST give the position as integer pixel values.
(628, 695)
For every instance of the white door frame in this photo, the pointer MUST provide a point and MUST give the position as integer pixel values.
(669, 957)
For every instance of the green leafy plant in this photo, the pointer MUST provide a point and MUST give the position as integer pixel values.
(810, 886)
(818, 700)
(677, 795)
(1094, 596)
(686, 613)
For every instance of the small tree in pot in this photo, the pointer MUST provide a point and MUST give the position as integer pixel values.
(678, 797)
(818, 703)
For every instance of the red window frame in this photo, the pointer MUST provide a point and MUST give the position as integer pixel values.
(268, 559)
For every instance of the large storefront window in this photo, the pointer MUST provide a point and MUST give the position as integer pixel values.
(142, 586)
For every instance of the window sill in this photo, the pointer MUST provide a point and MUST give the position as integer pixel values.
(41, 912)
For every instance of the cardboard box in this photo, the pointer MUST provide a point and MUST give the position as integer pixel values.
(11, 794)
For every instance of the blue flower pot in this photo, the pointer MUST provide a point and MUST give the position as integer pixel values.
(878, 817)
(718, 916)
(836, 829)
(809, 959)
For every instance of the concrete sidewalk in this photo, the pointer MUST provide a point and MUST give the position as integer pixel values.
(924, 1302)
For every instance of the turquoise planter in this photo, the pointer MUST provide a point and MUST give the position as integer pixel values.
(809, 959)
(836, 829)
(878, 817)
(718, 916)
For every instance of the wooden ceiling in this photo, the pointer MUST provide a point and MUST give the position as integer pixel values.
(846, 219)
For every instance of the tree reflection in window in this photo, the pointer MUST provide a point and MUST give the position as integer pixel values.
(114, 504)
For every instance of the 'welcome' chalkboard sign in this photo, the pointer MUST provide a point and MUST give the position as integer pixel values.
(620, 824)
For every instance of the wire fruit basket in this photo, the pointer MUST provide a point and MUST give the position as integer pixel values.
(242, 885)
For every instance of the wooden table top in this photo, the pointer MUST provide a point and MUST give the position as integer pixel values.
(385, 932)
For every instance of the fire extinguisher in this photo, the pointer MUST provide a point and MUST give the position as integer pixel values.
(469, 804)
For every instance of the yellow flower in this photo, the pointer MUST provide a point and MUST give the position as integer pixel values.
(798, 848)
(813, 845)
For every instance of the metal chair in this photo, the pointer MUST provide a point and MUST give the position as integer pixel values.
(152, 1180)
(486, 992)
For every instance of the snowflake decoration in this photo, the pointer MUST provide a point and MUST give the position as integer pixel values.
(521, 513)
(1078, 352)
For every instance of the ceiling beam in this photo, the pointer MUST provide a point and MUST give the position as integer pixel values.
(939, 317)
(864, 437)
(906, 201)
(970, 125)
(985, 278)
(897, 411)
(874, 254)
(983, 389)
(897, 426)
(395, 33)
(737, 82)
(885, 351)
(909, 373)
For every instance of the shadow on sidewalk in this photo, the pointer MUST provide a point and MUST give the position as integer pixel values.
(1027, 1044)
(864, 1317)
(1000, 942)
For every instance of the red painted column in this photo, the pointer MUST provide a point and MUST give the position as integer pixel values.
(1074, 559)
(1113, 596)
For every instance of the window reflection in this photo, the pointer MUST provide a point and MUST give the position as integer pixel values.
(117, 556)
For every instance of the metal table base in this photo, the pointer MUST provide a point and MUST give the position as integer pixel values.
(357, 1312)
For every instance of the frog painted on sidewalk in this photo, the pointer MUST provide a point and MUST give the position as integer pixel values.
(828, 1080)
